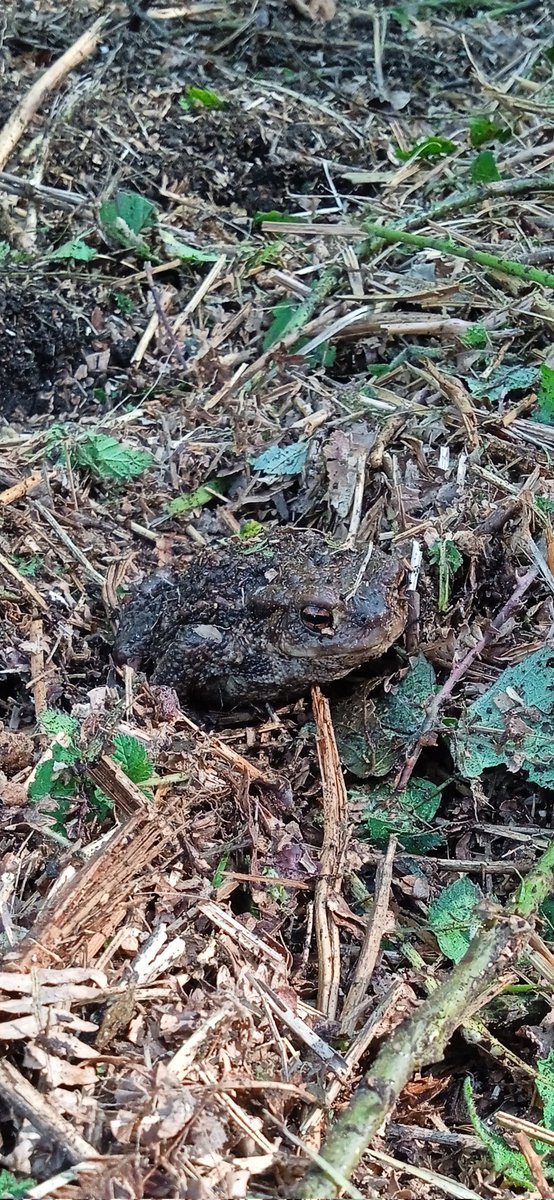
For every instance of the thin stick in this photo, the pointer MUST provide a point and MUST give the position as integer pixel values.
(175, 347)
(371, 945)
(332, 856)
(25, 111)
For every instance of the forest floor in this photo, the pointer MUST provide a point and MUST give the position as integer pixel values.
(277, 264)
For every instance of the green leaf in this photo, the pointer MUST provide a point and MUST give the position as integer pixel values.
(5, 250)
(54, 722)
(508, 1163)
(484, 129)
(373, 734)
(384, 811)
(545, 1088)
(219, 873)
(27, 566)
(545, 395)
(76, 249)
(197, 97)
(12, 1187)
(134, 210)
(283, 314)
(452, 918)
(476, 337)
(133, 757)
(431, 147)
(275, 216)
(503, 381)
(446, 556)
(197, 499)
(186, 253)
(511, 723)
(107, 458)
(484, 168)
(124, 303)
(279, 461)
(250, 530)
(101, 805)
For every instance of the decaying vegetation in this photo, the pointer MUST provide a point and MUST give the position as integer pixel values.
(261, 264)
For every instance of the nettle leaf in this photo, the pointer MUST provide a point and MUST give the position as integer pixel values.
(431, 147)
(511, 723)
(278, 461)
(54, 722)
(10, 1186)
(484, 168)
(53, 777)
(452, 918)
(476, 337)
(503, 381)
(109, 459)
(508, 1163)
(545, 1087)
(76, 249)
(197, 499)
(133, 757)
(384, 811)
(545, 396)
(197, 97)
(134, 210)
(484, 129)
(372, 734)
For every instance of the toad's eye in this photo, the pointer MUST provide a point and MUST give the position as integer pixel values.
(318, 619)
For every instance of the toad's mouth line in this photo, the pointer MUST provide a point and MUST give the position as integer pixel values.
(329, 649)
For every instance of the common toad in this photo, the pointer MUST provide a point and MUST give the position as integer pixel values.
(263, 619)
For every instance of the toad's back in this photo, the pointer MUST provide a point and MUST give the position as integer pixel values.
(263, 619)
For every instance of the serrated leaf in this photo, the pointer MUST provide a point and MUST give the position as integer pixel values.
(76, 249)
(197, 499)
(545, 1088)
(476, 337)
(134, 210)
(452, 918)
(384, 811)
(484, 129)
(109, 459)
(545, 395)
(12, 1187)
(372, 734)
(484, 168)
(502, 381)
(5, 250)
(54, 722)
(508, 1163)
(133, 757)
(431, 147)
(279, 461)
(511, 723)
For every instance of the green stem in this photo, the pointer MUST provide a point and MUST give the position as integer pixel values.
(448, 246)
(459, 201)
(421, 1040)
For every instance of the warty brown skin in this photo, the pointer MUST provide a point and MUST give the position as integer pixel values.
(263, 619)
